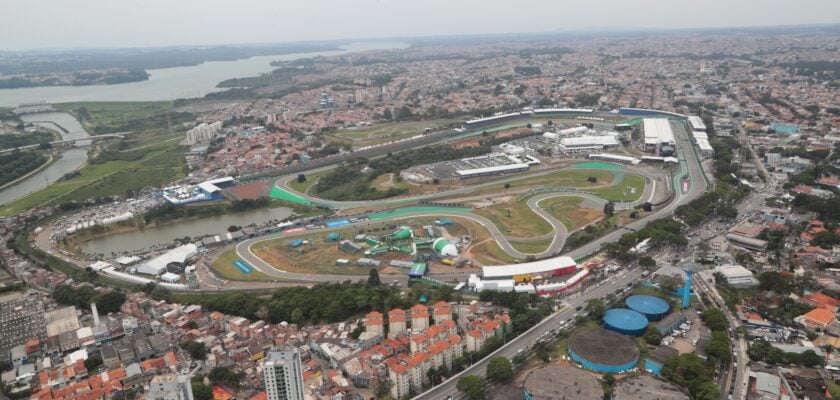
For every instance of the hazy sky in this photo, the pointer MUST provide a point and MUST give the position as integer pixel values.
(27, 24)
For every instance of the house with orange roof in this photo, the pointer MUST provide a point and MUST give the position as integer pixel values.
(818, 318)
(821, 300)
(814, 227)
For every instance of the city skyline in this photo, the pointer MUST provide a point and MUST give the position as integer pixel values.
(160, 24)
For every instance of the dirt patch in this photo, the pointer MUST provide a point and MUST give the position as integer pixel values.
(251, 190)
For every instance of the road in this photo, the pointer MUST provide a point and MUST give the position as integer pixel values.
(529, 338)
(58, 142)
(741, 367)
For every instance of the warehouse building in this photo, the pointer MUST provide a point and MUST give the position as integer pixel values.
(737, 275)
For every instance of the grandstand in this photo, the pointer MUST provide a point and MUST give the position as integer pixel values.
(696, 123)
(666, 160)
(562, 112)
(490, 171)
(479, 123)
(658, 133)
(614, 158)
(706, 149)
(548, 267)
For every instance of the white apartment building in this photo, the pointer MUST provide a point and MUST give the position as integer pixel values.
(283, 374)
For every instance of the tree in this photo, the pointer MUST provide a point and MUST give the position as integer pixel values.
(499, 370)
(652, 336)
(609, 208)
(810, 359)
(472, 386)
(707, 391)
(92, 363)
(201, 391)
(110, 302)
(197, 350)
(596, 309)
(715, 319)
(301, 178)
(373, 278)
(387, 114)
(647, 262)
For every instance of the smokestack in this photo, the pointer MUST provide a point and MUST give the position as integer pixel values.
(95, 314)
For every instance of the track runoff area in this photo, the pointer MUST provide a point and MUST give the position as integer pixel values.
(546, 276)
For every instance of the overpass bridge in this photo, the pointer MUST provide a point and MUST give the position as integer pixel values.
(56, 143)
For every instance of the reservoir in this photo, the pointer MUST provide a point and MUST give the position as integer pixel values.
(68, 161)
(163, 235)
(173, 83)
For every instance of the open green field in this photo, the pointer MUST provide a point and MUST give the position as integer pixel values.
(317, 257)
(515, 219)
(562, 178)
(631, 188)
(302, 187)
(568, 210)
(128, 170)
(223, 267)
(110, 117)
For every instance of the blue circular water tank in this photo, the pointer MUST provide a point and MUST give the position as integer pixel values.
(625, 321)
(652, 307)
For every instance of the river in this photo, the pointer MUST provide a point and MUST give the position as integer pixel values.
(68, 161)
(173, 83)
(166, 234)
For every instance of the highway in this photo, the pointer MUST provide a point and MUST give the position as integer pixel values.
(529, 338)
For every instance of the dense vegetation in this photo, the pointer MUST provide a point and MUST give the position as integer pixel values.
(764, 351)
(106, 302)
(11, 140)
(146, 58)
(689, 370)
(18, 163)
(329, 302)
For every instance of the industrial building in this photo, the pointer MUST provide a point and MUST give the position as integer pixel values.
(652, 307)
(603, 351)
(625, 321)
(561, 382)
(657, 133)
(747, 242)
(736, 275)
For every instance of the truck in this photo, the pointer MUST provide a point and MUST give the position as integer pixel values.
(448, 261)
